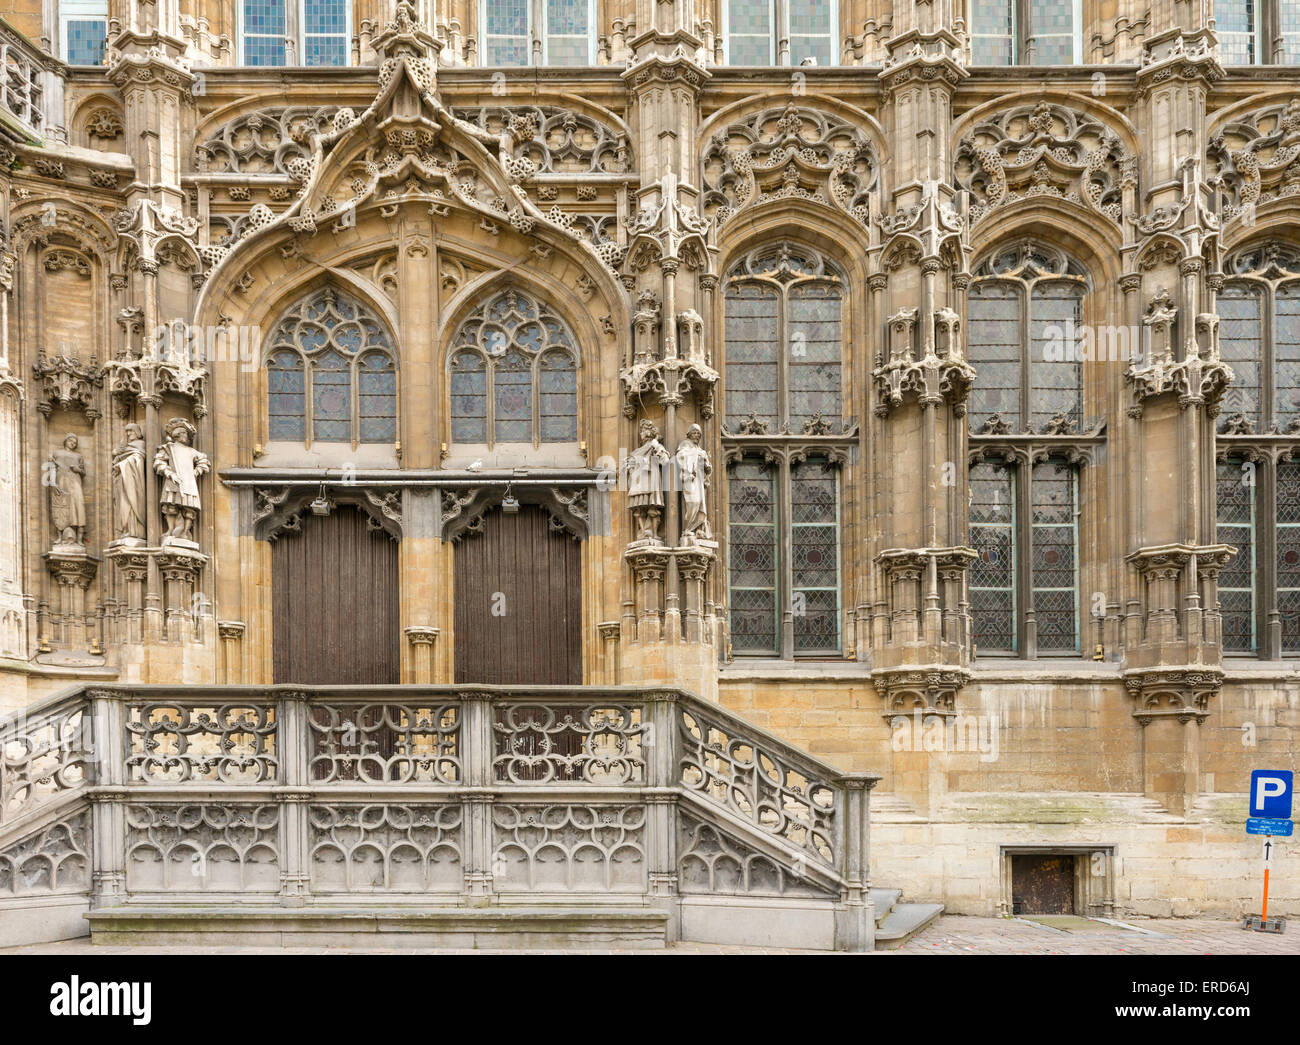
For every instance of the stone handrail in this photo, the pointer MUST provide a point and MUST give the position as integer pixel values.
(298, 795)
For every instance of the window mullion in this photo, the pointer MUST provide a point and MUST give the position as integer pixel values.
(1267, 621)
(1267, 354)
(784, 558)
(1027, 631)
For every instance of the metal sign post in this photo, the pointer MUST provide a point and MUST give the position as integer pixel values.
(1270, 815)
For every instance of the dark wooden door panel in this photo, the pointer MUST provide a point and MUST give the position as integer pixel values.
(1042, 883)
(335, 602)
(519, 602)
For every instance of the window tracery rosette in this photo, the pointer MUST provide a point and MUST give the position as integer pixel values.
(1043, 150)
(789, 153)
(263, 142)
(513, 368)
(555, 140)
(1255, 160)
(331, 373)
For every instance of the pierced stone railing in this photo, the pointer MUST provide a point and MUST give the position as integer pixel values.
(444, 796)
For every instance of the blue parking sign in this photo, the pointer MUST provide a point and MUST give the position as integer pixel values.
(1270, 793)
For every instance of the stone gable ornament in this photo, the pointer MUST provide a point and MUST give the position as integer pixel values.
(180, 465)
(644, 472)
(129, 488)
(64, 472)
(695, 468)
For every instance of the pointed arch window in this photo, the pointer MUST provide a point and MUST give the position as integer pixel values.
(1024, 317)
(331, 374)
(783, 332)
(1258, 477)
(513, 372)
(1028, 433)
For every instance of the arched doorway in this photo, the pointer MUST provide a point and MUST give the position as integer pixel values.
(519, 601)
(335, 601)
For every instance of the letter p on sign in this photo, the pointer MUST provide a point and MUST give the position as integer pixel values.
(1270, 793)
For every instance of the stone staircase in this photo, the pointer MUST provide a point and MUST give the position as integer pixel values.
(428, 816)
(896, 923)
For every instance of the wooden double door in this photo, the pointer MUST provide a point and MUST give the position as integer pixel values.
(518, 616)
(517, 602)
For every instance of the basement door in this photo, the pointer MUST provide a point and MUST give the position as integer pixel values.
(519, 602)
(335, 602)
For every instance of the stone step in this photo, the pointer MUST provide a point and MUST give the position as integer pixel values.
(495, 928)
(904, 922)
(883, 900)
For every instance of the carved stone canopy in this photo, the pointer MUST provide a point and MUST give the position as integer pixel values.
(463, 508)
(279, 509)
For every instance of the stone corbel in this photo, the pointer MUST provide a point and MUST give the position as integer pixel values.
(65, 382)
(928, 690)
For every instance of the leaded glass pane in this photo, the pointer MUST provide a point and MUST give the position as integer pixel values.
(993, 574)
(751, 557)
(1053, 567)
(812, 36)
(1055, 376)
(1052, 24)
(1286, 357)
(814, 557)
(331, 386)
(1235, 26)
(1288, 553)
(992, 38)
(468, 398)
(528, 356)
(559, 397)
(1241, 346)
(814, 319)
(512, 384)
(286, 408)
(325, 32)
(568, 32)
(377, 398)
(264, 32)
(1235, 512)
(753, 337)
(507, 40)
(85, 40)
(749, 32)
(994, 350)
(1288, 12)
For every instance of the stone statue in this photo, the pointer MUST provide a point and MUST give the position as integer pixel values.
(128, 486)
(64, 472)
(645, 482)
(695, 468)
(180, 465)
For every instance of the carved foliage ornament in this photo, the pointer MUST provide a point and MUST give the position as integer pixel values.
(1256, 159)
(793, 152)
(1042, 150)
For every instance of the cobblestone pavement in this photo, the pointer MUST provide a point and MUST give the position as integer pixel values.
(953, 934)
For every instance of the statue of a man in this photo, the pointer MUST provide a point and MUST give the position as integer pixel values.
(128, 485)
(180, 465)
(64, 472)
(645, 482)
(695, 468)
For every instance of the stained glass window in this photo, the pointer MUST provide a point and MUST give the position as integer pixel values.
(993, 574)
(1288, 16)
(563, 28)
(324, 32)
(751, 555)
(521, 350)
(783, 331)
(992, 37)
(1236, 25)
(263, 31)
(1235, 508)
(750, 37)
(568, 32)
(814, 557)
(1241, 346)
(331, 373)
(1288, 553)
(1024, 338)
(1053, 571)
(812, 32)
(1286, 356)
(506, 34)
(1052, 23)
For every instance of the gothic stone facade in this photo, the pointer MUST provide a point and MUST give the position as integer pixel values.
(995, 368)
